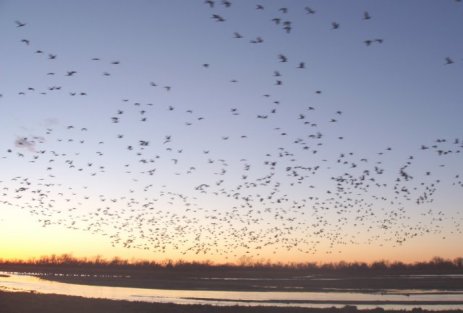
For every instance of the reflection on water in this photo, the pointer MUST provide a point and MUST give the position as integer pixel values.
(421, 276)
(390, 299)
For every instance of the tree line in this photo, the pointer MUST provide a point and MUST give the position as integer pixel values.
(436, 264)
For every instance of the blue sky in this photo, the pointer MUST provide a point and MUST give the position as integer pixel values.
(212, 186)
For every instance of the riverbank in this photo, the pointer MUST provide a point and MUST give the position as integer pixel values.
(189, 281)
(22, 302)
(245, 279)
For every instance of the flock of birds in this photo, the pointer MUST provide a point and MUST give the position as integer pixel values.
(190, 199)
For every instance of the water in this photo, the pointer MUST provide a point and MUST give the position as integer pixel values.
(389, 299)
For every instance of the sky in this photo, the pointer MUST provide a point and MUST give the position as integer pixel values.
(288, 131)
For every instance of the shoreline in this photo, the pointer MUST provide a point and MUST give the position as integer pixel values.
(24, 302)
(249, 281)
(202, 303)
(351, 284)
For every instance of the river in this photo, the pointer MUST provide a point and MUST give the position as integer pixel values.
(387, 299)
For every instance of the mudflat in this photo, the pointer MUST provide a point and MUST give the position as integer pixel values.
(246, 279)
(22, 302)
(252, 282)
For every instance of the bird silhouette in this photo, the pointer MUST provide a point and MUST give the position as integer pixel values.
(288, 181)
(448, 61)
(218, 18)
(282, 58)
(309, 10)
(20, 24)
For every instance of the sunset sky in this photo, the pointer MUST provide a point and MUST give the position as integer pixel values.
(195, 130)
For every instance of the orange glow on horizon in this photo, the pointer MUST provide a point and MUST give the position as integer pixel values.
(30, 240)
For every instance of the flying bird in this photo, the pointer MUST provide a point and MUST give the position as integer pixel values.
(257, 40)
(448, 61)
(20, 24)
(309, 10)
(218, 18)
(282, 58)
